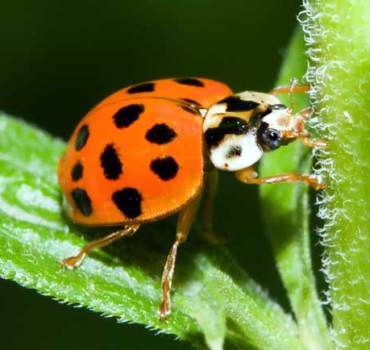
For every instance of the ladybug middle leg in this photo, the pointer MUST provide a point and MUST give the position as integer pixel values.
(209, 194)
(250, 176)
(184, 222)
(75, 261)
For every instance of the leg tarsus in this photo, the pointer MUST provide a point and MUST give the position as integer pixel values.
(76, 260)
(306, 112)
(307, 141)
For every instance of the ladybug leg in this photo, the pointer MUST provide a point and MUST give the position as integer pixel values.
(307, 141)
(295, 89)
(292, 89)
(209, 196)
(211, 184)
(305, 138)
(184, 222)
(250, 176)
(300, 132)
(75, 261)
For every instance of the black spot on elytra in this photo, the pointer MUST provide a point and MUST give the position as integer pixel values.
(110, 162)
(228, 125)
(234, 151)
(144, 87)
(190, 81)
(236, 104)
(166, 168)
(160, 134)
(77, 171)
(128, 201)
(82, 137)
(82, 201)
(125, 116)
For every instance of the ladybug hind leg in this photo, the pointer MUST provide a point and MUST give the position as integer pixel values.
(184, 223)
(75, 261)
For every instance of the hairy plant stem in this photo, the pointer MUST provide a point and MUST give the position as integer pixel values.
(338, 34)
(286, 212)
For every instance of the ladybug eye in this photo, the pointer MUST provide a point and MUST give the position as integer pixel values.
(268, 138)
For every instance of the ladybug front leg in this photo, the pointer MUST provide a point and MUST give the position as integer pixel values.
(184, 223)
(250, 176)
(75, 261)
(291, 89)
(299, 132)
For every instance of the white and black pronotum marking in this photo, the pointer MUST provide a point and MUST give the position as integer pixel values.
(238, 129)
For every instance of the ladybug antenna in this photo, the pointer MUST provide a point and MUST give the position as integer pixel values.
(292, 87)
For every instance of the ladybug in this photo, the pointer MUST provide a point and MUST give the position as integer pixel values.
(150, 150)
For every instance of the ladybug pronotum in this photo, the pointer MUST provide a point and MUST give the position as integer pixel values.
(141, 155)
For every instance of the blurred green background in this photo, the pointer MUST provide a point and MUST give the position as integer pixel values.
(59, 58)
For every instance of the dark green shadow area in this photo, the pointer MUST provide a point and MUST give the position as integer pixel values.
(31, 321)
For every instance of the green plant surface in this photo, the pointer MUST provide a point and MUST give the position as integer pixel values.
(35, 237)
(286, 216)
(338, 35)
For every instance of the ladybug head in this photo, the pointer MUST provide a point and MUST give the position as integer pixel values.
(240, 128)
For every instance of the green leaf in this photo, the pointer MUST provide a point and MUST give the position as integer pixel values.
(286, 216)
(338, 34)
(212, 297)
